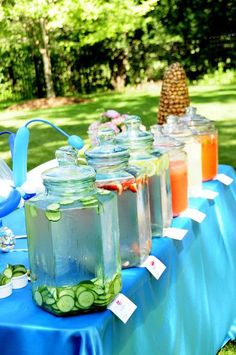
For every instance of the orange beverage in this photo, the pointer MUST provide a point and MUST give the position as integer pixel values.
(209, 156)
(179, 186)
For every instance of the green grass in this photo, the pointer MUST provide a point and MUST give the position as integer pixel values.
(229, 349)
(215, 102)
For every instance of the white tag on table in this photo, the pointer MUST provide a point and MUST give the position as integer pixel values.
(174, 233)
(122, 307)
(154, 266)
(209, 194)
(225, 179)
(193, 214)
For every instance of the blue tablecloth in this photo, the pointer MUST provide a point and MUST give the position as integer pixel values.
(190, 310)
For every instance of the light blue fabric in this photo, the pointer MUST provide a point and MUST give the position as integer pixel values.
(190, 310)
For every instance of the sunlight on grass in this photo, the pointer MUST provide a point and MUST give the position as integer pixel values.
(214, 102)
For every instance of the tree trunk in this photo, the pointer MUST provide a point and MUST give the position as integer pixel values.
(45, 52)
(118, 71)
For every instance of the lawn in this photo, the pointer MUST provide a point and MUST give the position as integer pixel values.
(215, 102)
(229, 349)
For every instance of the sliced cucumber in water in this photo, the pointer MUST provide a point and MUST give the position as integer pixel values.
(53, 212)
(88, 295)
(86, 299)
(38, 298)
(53, 207)
(50, 301)
(116, 284)
(65, 304)
(67, 292)
(67, 202)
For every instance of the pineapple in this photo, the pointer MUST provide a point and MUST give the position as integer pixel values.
(174, 93)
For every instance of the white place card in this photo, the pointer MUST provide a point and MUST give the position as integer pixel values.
(225, 179)
(174, 233)
(209, 194)
(122, 307)
(154, 266)
(194, 214)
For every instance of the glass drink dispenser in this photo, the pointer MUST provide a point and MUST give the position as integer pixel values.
(208, 138)
(73, 240)
(142, 154)
(130, 184)
(192, 147)
(178, 168)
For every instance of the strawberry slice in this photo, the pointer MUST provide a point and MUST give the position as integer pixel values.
(133, 187)
(113, 187)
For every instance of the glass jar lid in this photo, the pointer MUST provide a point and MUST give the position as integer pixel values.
(134, 137)
(163, 142)
(196, 121)
(68, 170)
(107, 151)
(173, 127)
(108, 159)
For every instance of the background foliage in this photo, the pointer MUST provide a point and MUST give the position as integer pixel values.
(67, 47)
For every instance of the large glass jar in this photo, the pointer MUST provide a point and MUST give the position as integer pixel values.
(178, 168)
(73, 240)
(142, 154)
(192, 147)
(208, 138)
(130, 183)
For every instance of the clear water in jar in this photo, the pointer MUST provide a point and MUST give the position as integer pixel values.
(159, 194)
(134, 220)
(81, 245)
(135, 231)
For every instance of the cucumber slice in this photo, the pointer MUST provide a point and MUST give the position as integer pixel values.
(105, 298)
(38, 298)
(53, 292)
(53, 216)
(87, 199)
(66, 292)
(5, 280)
(1, 279)
(101, 303)
(116, 284)
(8, 272)
(53, 212)
(86, 283)
(16, 274)
(79, 290)
(65, 304)
(67, 202)
(55, 308)
(86, 299)
(33, 211)
(19, 268)
(53, 207)
(98, 290)
(50, 301)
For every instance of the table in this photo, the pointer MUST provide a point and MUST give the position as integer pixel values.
(190, 310)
